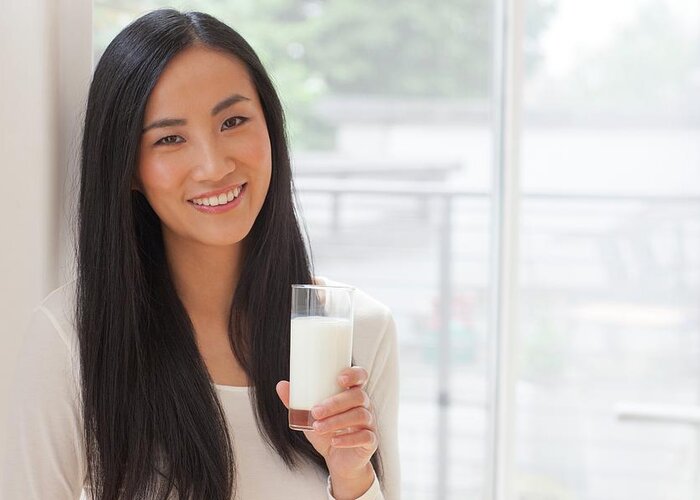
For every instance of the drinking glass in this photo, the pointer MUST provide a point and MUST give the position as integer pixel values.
(320, 347)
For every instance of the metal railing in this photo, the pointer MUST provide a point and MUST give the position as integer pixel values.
(447, 197)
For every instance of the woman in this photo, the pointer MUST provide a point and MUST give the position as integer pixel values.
(160, 371)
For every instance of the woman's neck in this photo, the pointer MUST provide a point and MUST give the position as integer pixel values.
(205, 278)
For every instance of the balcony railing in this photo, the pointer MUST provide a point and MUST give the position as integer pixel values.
(336, 189)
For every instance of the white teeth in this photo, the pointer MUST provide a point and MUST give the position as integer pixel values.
(222, 199)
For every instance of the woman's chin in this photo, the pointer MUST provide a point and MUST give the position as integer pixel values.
(215, 241)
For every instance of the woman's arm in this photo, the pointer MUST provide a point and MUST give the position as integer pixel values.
(42, 455)
(375, 390)
(383, 388)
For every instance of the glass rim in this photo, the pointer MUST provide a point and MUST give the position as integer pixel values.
(339, 287)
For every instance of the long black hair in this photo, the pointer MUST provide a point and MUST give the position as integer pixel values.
(153, 423)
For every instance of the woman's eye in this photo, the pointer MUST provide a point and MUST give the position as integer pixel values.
(242, 119)
(233, 122)
(165, 140)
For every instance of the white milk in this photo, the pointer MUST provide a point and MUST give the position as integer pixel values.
(320, 349)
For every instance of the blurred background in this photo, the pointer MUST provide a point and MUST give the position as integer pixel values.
(519, 181)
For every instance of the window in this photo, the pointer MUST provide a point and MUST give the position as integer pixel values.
(390, 111)
(609, 261)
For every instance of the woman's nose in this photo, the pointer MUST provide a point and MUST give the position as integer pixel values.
(213, 161)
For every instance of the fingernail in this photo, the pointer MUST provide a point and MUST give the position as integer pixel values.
(317, 411)
(344, 379)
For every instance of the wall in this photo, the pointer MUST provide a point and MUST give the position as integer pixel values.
(45, 49)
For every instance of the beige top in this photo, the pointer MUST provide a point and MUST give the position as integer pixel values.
(44, 458)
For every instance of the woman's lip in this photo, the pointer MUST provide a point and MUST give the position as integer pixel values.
(217, 192)
(221, 208)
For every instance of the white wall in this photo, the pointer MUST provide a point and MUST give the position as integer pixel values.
(45, 55)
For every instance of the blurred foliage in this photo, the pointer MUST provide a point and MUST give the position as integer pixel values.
(313, 48)
(650, 63)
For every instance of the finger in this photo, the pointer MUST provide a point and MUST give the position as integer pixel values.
(356, 417)
(282, 388)
(353, 376)
(365, 439)
(339, 403)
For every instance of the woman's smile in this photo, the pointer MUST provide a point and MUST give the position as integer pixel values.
(221, 203)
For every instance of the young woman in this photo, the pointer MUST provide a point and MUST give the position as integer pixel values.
(160, 372)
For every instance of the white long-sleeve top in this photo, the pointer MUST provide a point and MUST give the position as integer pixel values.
(43, 457)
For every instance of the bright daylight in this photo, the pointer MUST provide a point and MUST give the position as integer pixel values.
(484, 214)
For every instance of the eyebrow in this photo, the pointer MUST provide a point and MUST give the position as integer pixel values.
(169, 122)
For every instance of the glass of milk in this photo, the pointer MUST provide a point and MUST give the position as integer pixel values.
(320, 347)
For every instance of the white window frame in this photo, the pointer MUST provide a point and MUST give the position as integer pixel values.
(505, 203)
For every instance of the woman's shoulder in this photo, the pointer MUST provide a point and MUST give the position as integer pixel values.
(47, 366)
(366, 306)
(59, 307)
(373, 324)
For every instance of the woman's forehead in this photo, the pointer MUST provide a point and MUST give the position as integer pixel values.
(203, 76)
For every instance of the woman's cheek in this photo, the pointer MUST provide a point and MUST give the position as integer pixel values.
(159, 173)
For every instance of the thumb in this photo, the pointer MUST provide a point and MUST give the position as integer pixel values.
(282, 388)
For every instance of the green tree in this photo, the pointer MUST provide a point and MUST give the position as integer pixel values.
(649, 64)
(408, 48)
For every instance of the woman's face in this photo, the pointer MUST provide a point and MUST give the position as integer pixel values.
(204, 135)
